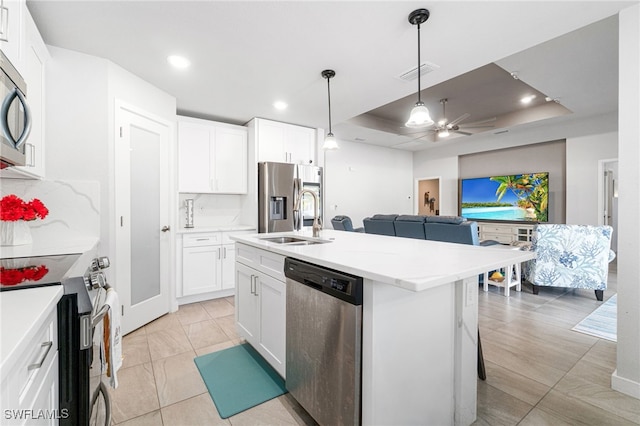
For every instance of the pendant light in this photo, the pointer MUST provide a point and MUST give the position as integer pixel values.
(419, 117)
(330, 141)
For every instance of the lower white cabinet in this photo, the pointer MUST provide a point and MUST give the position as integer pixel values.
(202, 269)
(31, 389)
(207, 264)
(261, 308)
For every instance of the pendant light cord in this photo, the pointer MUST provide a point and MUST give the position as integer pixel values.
(419, 98)
(329, 96)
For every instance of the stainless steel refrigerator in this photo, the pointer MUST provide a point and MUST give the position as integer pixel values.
(278, 187)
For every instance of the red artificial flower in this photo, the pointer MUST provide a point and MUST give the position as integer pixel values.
(13, 208)
(16, 276)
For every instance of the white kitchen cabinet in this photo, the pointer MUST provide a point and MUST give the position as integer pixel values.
(261, 308)
(12, 31)
(247, 305)
(212, 157)
(201, 270)
(261, 303)
(201, 263)
(32, 383)
(228, 265)
(284, 143)
(207, 265)
(33, 59)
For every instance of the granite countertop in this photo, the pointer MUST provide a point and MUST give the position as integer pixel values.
(408, 263)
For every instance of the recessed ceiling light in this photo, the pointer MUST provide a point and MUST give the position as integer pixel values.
(178, 61)
(280, 105)
(527, 99)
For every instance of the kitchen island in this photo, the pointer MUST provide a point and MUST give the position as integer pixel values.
(419, 318)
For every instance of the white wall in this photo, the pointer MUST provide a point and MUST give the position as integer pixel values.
(80, 127)
(446, 169)
(583, 180)
(626, 378)
(363, 180)
(443, 161)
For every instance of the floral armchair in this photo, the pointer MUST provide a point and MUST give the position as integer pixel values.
(574, 256)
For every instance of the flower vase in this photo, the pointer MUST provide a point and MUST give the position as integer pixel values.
(14, 233)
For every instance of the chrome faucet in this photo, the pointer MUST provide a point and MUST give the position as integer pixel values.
(316, 212)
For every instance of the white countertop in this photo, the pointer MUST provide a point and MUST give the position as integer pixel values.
(22, 313)
(49, 247)
(408, 263)
(229, 228)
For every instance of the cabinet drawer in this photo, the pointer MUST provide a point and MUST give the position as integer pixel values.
(501, 238)
(496, 229)
(271, 264)
(247, 255)
(29, 372)
(205, 239)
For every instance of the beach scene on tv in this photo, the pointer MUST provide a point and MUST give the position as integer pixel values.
(522, 198)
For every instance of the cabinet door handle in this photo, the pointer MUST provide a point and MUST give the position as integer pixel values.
(224, 252)
(219, 250)
(4, 22)
(252, 284)
(255, 287)
(39, 363)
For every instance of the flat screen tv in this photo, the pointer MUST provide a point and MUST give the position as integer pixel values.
(517, 198)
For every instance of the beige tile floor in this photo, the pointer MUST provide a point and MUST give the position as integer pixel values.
(539, 372)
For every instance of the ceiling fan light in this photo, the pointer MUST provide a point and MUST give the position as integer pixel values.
(419, 117)
(443, 133)
(330, 142)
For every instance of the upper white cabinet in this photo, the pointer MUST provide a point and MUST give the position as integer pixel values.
(33, 57)
(212, 157)
(12, 31)
(284, 143)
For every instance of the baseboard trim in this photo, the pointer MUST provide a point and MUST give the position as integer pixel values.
(626, 386)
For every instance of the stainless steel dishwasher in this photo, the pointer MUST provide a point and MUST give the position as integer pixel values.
(324, 342)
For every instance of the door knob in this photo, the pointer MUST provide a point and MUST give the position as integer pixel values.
(165, 228)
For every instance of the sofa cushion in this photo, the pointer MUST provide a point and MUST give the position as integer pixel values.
(457, 220)
(384, 217)
(410, 218)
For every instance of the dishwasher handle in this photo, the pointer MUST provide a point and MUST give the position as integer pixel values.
(312, 284)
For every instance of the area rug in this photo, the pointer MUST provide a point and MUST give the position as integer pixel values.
(238, 378)
(602, 322)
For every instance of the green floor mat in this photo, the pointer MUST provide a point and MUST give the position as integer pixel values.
(238, 378)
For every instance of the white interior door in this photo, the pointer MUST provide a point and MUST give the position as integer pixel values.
(143, 237)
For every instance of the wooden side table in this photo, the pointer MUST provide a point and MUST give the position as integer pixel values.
(512, 278)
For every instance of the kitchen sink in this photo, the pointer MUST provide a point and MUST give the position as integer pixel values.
(292, 241)
(283, 240)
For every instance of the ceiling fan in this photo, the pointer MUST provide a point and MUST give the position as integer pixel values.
(444, 128)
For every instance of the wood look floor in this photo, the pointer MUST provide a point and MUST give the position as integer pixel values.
(539, 371)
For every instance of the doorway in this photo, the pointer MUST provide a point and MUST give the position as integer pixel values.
(428, 197)
(143, 234)
(608, 199)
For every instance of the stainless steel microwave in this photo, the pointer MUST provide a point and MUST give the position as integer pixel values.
(15, 117)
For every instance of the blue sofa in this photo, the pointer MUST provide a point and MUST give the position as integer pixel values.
(451, 229)
(381, 224)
